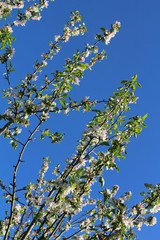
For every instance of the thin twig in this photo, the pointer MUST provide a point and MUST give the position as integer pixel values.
(15, 176)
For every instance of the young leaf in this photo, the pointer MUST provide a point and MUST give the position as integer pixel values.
(144, 117)
(63, 102)
(101, 180)
(83, 66)
(149, 186)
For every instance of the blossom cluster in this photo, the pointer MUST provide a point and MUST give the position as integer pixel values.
(58, 202)
(109, 34)
(6, 7)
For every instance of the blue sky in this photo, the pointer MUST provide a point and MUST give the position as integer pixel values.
(135, 49)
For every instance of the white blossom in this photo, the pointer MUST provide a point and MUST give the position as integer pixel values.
(155, 209)
(57, 37)
(76, 80)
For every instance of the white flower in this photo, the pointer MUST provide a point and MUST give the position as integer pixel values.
(133, 211)
(123, 149)
(76, 80)
(9, 28)
(28, 14)
(44, 63)
(66, 38)
(155, 209)
(153, 221)
(57, 37)
(87, 52)
(20, 22)
(45, 4)
(36, 17)
(108, 192)
(150, 221)
(103, 135)
(8, 113)
(75, 31)
(139, 226)
(18, 207)
(82, 59)
(106, 224)
(95, 50)
(97, 132)
(19, 130)
(85, 99)
(116, 25)
(67, 189)
(67, 31)
(10, 55)
(127, 222)
(129, 193)
(34, 77)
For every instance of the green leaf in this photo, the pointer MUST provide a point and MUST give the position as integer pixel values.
(133, 88)
(142, 194)
(138, 84)
(144, 117)
(46, 132)
(9, 42)
(103, 29)
(127, 108)
(14, 144)
(117, 168)
(134, 78)
(124, 81)
(3, 44)
(96, 110)
(101, 180)
(42, 136)
(12, 38)
(149, 186)
(63, 102)
(144, 125)
(83, 66)
(85, 235)
(64, 95)
(74, 185)
(104, 144)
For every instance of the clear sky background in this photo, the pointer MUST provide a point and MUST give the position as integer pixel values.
(135, 49)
